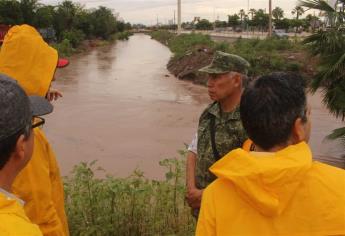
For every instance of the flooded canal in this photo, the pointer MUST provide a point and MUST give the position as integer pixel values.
(123, 108)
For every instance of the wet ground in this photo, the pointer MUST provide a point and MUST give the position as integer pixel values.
(123, 108)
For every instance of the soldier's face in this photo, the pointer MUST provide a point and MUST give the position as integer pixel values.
(221, 86)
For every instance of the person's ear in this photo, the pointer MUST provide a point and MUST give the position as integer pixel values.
(237, 80)
(19, 152)
(298, 131)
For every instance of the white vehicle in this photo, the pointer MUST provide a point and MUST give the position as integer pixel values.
(280, 33)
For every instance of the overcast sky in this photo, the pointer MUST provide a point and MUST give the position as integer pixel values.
(147, 11)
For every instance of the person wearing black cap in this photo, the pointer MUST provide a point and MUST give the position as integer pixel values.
(17, 113)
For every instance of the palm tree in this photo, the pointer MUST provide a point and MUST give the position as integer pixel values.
(252, 11)
(242, 13)
(329, 45)
(277, 13)
(298, 10)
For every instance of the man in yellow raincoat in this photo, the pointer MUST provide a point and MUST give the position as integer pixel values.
(276, 189)
(16, 147)
(25, 57)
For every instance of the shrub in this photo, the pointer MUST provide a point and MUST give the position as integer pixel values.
(124, 35)
(185, 43)
(162, 36)
(75, 37)
(128, 206)
(64, 48)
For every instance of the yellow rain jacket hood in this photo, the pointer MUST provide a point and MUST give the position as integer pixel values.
(26, 58)
(13, 220)
(282, 193)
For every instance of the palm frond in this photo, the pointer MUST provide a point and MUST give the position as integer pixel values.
(317, 5)
(334, 98)
(337, 69)
(337, 134)
(326, 42)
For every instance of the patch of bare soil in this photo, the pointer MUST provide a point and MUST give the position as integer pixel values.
(186, 67)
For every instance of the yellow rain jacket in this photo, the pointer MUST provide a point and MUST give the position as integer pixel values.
(282, 193)
(13, 221)
(25, 57)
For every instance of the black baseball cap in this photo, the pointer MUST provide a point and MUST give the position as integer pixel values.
(16, 108)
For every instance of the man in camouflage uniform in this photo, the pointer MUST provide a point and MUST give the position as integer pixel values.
(220, 129)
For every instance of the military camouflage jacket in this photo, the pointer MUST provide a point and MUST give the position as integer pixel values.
(229, 135)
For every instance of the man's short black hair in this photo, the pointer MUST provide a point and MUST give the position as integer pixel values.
(270, 106)
(8, 145)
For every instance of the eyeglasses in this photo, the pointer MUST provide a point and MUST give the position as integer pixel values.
(37, 122)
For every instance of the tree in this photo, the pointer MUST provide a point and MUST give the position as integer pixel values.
(252, 12)
(44, 16)
(28, 8)
(298, 10)
(277, 13)
(204, 25)
(242, 13)
(104, 22)
(220, 24)
(312, 21)
(83, 21)
(233, 21)
(10, 12)
(329, 46)
(64, 17)
(261, 20)
(282, 24)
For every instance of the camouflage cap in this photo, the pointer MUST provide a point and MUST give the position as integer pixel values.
(225, 62)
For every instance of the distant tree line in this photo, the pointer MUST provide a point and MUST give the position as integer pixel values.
(257, 20)
(68, 20)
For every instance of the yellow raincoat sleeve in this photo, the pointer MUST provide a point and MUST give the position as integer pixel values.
(207, 221)
(35, 185)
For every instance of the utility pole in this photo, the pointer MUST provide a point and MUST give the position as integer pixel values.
(270, 19)
(174, 17)
(178, 16)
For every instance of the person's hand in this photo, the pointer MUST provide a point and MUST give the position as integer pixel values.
(193, 197)
(53, 94)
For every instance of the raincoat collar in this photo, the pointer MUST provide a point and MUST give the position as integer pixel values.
(267, 182)
(11, 196)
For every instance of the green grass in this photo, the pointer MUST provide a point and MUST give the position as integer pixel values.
(265, 56)
(123, 35)
(186, 43)
(128, 206)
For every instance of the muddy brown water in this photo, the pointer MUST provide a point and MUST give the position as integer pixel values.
(123, 108)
